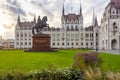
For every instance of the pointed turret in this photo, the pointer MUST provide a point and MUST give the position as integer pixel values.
(63, 11)
(18, 21)
(96, 21)
(80, 10)
(35, 18)
(93, 20)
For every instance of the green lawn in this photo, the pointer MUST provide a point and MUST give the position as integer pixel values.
(27, 61)
(111, 62)
(30, 61)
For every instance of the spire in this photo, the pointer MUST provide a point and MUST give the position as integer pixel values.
(80, 9)
(63, 12)
(93, 20)
(34, 18)
(96, 21)
(18, 18)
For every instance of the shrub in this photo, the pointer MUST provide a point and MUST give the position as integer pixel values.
(62, 74)
(13, 76)
(82, 60)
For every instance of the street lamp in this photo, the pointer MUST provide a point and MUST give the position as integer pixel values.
(119, 42)
(96, 42)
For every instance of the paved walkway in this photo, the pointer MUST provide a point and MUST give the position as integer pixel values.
(110, 51)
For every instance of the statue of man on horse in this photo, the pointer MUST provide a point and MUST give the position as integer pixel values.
(39, 25)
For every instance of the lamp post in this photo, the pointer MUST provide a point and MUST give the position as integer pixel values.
(96, 35)
(119, 42)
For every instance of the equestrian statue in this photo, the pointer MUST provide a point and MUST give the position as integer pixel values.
(39, 25)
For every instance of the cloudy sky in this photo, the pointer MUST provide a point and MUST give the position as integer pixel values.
(9, 10)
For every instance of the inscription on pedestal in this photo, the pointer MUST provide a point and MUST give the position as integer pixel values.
(41, 43)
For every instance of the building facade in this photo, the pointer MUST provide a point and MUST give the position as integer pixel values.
(23, 34)
(6, 44)
(110, 27)
(72, 33)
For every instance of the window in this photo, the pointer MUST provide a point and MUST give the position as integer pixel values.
(91, 44)
(82, 44)
(25, 43)
(58, 44)
(21, 43)
(17, 43)
(72, 44)
(58, 39)
(114, 28)
(17, 35)
(53, 44)
(25, 34)
(91, 35)
(29, 43)
(68, 44)
(86, 44)
(114, 25)
(72, 39)
(21, 35)
(77, 44)
(29, 35)
(113, 11)
(97, 43)
(96, 34)
(63, 44)
(87, 35)
(87, 39)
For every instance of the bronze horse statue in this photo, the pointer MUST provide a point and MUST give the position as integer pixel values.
(39, 25)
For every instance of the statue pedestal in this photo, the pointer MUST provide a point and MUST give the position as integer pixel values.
(41, 43)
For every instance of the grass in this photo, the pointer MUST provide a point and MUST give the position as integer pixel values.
(27, 61)
(31, 61)
(111, 62)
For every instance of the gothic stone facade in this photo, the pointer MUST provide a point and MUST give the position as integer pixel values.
(72, 34)
(110, 27)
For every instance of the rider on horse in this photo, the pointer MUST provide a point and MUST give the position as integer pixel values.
(40, 24)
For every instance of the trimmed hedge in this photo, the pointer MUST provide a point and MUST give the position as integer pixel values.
(44, 74)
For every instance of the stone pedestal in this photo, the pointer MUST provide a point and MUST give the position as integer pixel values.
(41, 43)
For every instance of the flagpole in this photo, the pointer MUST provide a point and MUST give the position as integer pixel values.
(71, 9)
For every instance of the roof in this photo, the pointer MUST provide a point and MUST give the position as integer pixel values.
(27, 24)
(70, 17)
(116, 3)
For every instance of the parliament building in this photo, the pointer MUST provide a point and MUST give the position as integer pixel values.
(73, 34)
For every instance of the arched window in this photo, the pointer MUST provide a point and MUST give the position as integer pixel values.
(113, 11)
(114, 25)
(72, 28)
(76, 27)
(25, 34)
(21, 35)
(114, 28)
(68, 27)
(17, 35)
